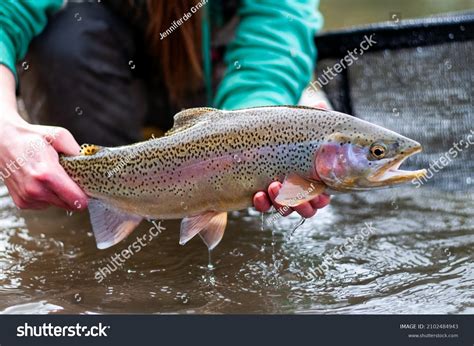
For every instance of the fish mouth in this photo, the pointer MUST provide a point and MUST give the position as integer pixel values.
(390, 173)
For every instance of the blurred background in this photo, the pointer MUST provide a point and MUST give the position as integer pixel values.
(344, 13)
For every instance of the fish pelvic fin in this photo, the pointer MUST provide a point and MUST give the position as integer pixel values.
(296, 190)
(90, 149)
(188, 118)
(110, 225)
(210, 226)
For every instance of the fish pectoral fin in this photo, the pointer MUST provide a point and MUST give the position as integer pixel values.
(110, 225)
(210, 226)
(296, 190)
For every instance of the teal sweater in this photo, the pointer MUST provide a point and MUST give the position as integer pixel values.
(269, 62)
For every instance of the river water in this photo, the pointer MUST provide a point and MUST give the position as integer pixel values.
(411, 251)
(404, 250)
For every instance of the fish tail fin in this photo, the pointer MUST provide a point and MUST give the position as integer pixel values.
(110, 225)
(210, 226)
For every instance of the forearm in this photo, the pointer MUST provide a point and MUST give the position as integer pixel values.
(7, 88)
(20, 21)
(272, 56)
(8, 103)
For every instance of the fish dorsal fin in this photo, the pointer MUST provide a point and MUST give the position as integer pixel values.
(188, 118)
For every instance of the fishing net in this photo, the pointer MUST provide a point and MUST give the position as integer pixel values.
(416, 80)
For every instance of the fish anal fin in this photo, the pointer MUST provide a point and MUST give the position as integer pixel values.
(210, 226)
(214, 231)
(188, 118)
(110, 226)
(296, 190)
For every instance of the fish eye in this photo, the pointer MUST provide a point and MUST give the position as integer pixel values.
(378, 151)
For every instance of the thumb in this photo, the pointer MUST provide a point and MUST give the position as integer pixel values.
(62, 141)
(321, 104)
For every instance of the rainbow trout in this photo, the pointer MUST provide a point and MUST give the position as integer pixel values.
(214, 161)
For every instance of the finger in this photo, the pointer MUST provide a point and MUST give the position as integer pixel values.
(51, 198)
(57, 202)
(39, 194)
(21, 203)
(62, 141)
(273, 190)
(305, 209)
(321, 201)
(67, 190)
(261, 201)
(321, 104)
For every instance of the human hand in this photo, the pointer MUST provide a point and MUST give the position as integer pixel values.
(263, 201)
(29, 164)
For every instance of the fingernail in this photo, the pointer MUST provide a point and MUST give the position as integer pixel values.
(274, 190)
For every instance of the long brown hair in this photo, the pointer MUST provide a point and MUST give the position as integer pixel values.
(179, 54)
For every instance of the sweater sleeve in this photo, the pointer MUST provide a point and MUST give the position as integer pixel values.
(20, 21)
(273, 55)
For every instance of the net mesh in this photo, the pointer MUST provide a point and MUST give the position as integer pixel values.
(423, 90)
